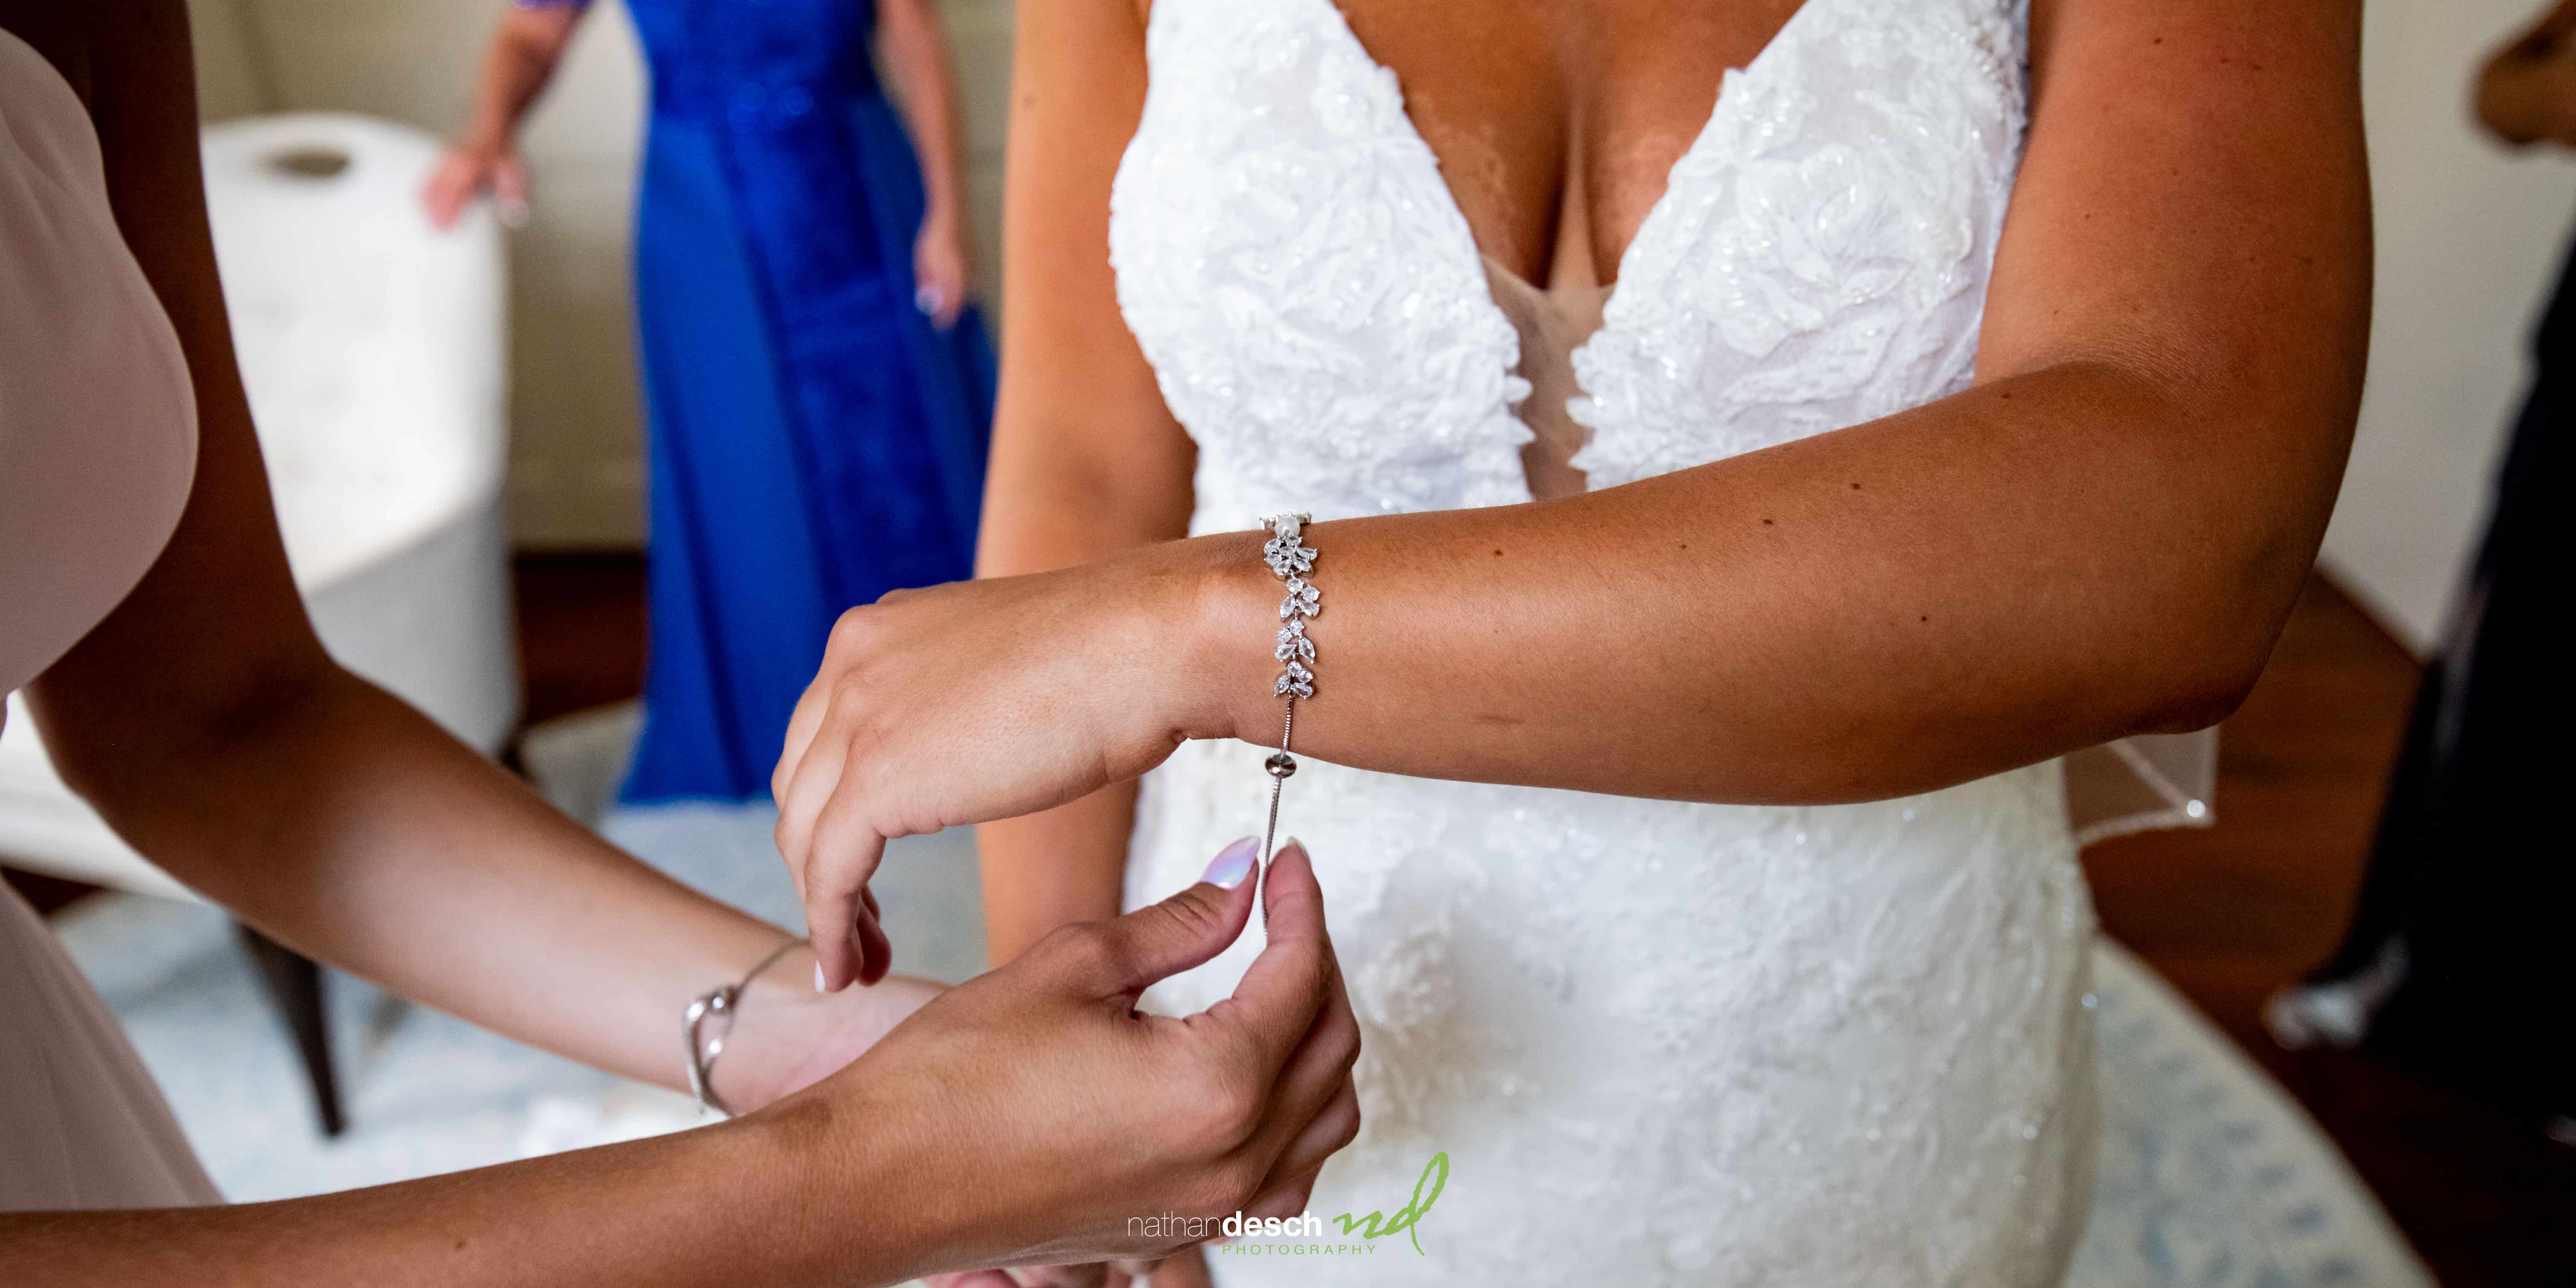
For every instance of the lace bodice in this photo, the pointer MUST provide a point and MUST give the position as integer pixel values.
(1294, 266)
(1662, 1043)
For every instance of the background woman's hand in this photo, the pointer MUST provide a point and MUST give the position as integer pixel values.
(466, 171)
(970, 702)
(941, 271)
(1038, 1112)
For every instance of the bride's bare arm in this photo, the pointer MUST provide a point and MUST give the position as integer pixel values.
(2101, 538)
(1087, 461)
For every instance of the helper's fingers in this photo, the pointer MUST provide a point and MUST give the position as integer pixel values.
(1186, 1268)
(1288, 1199)
(1319, 1068)
(1322, 1137)
(1183, 931)
(1090, 1274)
(1293, 979)
(971, 1279)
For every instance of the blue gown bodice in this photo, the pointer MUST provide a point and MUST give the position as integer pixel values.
(751, 63)
(815, 442)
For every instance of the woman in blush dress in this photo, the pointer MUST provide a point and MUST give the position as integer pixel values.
(819, 384)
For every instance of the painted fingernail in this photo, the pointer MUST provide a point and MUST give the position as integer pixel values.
(818, 977)
(1233, 864)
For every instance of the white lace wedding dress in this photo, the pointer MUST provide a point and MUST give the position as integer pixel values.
(1661, 1043)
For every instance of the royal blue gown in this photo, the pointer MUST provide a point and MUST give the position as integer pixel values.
(815, 441)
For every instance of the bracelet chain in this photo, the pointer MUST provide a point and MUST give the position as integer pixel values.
(1292, 561)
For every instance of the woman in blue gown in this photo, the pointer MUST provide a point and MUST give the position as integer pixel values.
(819, 389)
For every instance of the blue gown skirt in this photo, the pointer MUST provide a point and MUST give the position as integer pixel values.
(815, 441)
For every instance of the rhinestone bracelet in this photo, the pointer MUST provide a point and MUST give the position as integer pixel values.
(1291, 560)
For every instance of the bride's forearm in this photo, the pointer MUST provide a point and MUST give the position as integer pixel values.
(2034, 565)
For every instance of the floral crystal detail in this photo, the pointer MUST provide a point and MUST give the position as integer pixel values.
(1291, 559)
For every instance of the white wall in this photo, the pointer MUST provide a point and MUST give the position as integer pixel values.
(2470, 238)
(576, 467)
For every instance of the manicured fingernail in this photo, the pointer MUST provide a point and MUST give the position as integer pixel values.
(818, 977)
(1292, 843)
(1233, 864)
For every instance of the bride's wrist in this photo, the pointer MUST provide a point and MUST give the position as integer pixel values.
(1224, 639)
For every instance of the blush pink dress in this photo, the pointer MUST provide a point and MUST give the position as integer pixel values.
(98, 443)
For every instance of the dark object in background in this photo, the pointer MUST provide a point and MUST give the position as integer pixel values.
(2460, 960)
(294, 983)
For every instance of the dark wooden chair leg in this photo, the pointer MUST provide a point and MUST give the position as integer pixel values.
(295, 983)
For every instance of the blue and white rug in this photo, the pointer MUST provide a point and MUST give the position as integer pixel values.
(2210, 1176)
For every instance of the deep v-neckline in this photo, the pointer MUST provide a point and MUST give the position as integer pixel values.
(1340, 22)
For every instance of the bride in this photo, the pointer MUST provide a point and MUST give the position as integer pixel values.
(1749, 443)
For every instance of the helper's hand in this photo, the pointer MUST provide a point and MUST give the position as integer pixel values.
(1039, 1115)
(989, 699)
(1186, 1268)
